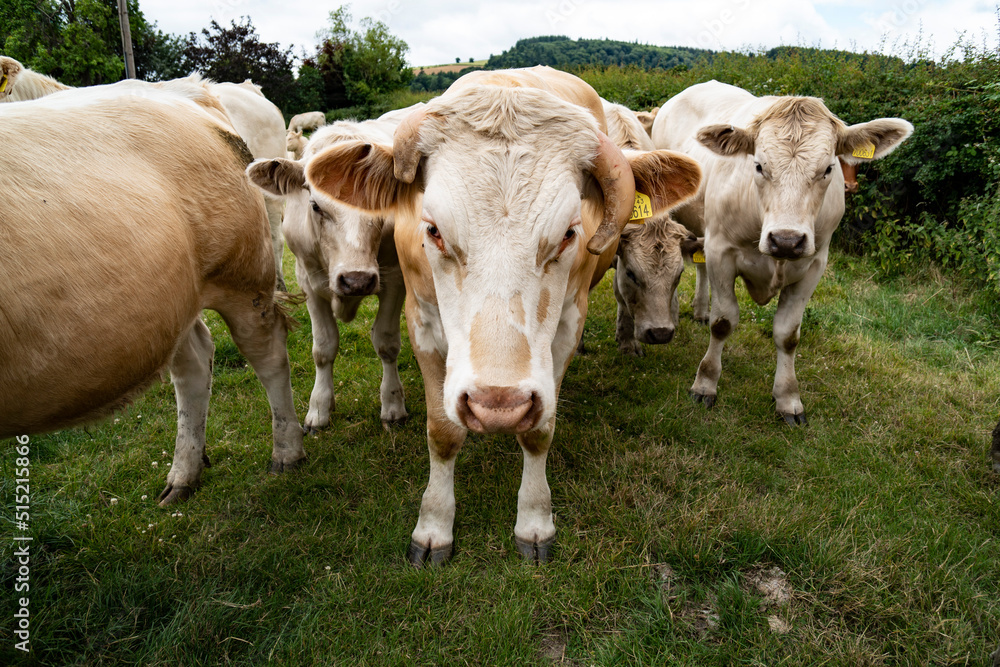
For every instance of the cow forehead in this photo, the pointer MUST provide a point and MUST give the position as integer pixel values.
(501, 196)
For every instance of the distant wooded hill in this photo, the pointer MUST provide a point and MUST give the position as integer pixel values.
(562, 52)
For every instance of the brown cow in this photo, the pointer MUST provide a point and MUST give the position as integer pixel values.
(126, 212)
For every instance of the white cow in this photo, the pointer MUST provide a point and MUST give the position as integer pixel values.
(126, 212)
(310, 120)
(342, 255)
(258, 122)
(499, 189)
(772, 196)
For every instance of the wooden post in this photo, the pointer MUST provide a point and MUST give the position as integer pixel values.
(126, 39)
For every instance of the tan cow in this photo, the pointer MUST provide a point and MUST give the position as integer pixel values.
(258, 122)
(646, 118)
(126, 212)
(650, 256)
(772, 196)
(310, 120)
(295, 144)
(342, 255)
(499, 189)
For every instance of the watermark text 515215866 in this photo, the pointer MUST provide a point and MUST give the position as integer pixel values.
(22, 553)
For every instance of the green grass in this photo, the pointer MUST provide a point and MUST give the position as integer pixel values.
(881, 517)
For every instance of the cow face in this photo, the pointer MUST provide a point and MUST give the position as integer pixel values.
(496, 192)
(338, 245)
(649, 263)
(792, 150)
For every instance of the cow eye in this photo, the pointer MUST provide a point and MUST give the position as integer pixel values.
(760, 169)
(631, 276)
(433, 232)
(316, 208)
(829, 170)
(570, 233)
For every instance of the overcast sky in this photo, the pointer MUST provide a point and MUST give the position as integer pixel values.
(438, 31)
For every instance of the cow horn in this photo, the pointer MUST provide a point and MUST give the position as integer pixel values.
(614, 175)
(405, 154)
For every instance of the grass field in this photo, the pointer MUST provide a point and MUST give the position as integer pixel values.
(685, 536)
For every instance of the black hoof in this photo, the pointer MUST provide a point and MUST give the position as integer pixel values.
(631, 351)
(708, 401)
(312, 430)
(794, 420)
(174, 494)
(388, 424)
(535, 552)
(419, 555)
(277, 467)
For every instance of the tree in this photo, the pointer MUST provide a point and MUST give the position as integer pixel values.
(79, 41)
(236, 53)
(360, 66)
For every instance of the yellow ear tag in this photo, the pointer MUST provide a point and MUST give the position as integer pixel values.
(642, 208)
(3, 83)
(698, 257)
(867, 151)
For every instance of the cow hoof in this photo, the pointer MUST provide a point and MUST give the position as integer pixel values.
(174, 494)
(279, 285)
(535, 552)
(794, 420)
(387, 424)
(419, 555)
(631, 350)
(308, 429)
(707, 399)
(277, 467)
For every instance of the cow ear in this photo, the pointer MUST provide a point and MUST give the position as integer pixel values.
(360, 175)
(692, 244)
(277, 176)
(727, 140)
(872, 140)
(667, 177)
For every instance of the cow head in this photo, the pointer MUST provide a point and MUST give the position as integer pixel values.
(649, 263)
(9, 71)
(337, 244)
(791, 150)
(295, 143)
(498, 195)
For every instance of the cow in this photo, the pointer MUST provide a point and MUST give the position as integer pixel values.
(342, 255)
(649, 259)
(507, 198)
(295, 144)
(772, 196)
(646, 118)
(310, 120)
(258, 122)
(126, 212)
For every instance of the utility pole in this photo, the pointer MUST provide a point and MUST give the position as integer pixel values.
(126, 39)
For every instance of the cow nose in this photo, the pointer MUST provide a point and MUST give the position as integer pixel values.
(357, 283)
(657, 335)
(786, 244)
(500, 410)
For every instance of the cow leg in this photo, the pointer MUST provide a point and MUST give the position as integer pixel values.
(432, 540)
(995, 452)
(386, 340)
(699, 305)
(326, 343)
(724, 318)
(259, 330)
(191, 373)
(535, 531)
(274, 213)
(787, 324)
(625, 326)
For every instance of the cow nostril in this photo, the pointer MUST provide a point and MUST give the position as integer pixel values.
(357, 283)
(658, 335)
(787, 245)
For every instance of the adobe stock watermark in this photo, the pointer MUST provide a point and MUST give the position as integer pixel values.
(560, 12)
(710, 37)
(899, 15)
(22, 551)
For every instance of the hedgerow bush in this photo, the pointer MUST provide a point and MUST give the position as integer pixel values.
(935, 199)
